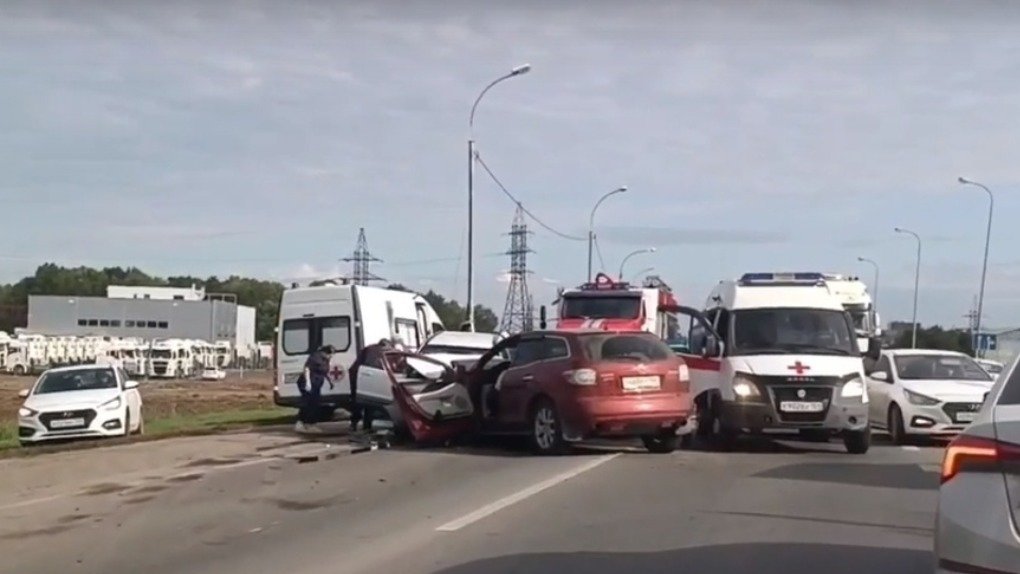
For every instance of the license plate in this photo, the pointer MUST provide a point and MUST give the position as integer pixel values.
(67, 423)
(966, 417)
(636, 384)
(801, 407)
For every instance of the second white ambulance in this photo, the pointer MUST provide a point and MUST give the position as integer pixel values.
(784, 355)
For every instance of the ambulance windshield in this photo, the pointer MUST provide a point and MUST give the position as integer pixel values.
(601, 306)
(792, 330)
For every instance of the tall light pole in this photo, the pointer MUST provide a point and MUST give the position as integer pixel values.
(519, 70)
(591, 223)
(874, 298)
(917, 279)
(984, 265)
(632, 254)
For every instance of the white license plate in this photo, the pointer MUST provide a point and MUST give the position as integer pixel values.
(966, 417)
(648, 383)
(801, 407)
(67, 423)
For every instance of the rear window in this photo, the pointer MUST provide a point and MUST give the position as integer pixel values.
(1011, 393)
(625, 348)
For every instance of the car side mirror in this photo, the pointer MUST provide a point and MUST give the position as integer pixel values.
(880, 376)
(23, 393)
(712, 348)
(874, 348)
(131, 384)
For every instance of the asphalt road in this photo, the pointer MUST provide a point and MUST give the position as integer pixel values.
(771, 508)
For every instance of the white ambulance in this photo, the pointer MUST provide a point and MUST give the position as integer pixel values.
(348, 317)
(782, 355)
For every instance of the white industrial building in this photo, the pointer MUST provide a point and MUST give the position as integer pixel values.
(147, 313)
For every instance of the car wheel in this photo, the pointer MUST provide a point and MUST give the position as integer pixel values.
(897, 434)
(19, 370)
(141, 424)
(687, 441)
(127, 422)
(723, 437)
(857, 442)
(662, 443)
(546, 430)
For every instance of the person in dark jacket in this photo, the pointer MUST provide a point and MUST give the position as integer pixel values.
(310, 383)
(370, 356)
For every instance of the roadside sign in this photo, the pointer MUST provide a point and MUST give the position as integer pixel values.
(985, 342)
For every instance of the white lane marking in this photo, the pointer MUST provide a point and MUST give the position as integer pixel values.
(532, 490)
(911, 448)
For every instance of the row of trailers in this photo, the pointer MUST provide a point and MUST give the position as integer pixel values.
(28, 354)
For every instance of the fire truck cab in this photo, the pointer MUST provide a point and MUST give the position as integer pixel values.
(619, 306)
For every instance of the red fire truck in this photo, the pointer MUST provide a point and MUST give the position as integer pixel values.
(619, 306)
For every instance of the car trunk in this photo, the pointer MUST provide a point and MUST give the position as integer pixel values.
(632, 364)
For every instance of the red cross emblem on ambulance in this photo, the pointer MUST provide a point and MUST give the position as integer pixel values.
(799, 367)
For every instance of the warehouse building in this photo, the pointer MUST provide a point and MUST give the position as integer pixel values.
(147, 313)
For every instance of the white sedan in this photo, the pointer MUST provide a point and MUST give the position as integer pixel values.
(80, 401)
(923, 392)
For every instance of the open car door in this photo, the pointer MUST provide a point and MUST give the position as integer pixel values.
(433, 399)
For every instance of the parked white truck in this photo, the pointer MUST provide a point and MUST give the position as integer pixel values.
(853, 294)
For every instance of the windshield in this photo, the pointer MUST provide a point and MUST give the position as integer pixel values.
(161, 353)
(939, 367)
(792, 330)
(860, 317)
(76, 380)
(636, 347)
(601, 307)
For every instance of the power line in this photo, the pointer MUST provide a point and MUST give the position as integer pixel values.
(541, 223)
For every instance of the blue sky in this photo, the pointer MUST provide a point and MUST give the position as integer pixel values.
(257, 137)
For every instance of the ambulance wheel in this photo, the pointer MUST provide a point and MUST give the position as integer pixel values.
(326, 413)
(687, 441)
(857, 442)
(720, 436)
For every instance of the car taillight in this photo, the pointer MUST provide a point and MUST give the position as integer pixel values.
(582, 377)
(975, 454)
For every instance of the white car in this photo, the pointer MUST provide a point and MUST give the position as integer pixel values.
(214, 374)
(923, 392)
(460, 346)
(994, 368)
(80, 401)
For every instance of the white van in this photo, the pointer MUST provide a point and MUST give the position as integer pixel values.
(783, 355)
(349, 317)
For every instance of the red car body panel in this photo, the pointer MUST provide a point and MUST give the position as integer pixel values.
(600, 409)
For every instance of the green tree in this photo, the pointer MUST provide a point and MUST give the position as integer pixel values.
(935, 337)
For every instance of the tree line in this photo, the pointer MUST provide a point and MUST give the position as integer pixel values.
(264, 296)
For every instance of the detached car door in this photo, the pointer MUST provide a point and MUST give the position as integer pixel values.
(435, 407)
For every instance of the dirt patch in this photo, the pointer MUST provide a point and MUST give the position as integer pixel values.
(70, 518)
(284, 504)
(186, 477)
(104, 488)
(212, 462)
(173, 397)
(139, 499)
(23, 534)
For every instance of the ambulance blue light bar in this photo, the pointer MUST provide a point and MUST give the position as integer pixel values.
(807, 279)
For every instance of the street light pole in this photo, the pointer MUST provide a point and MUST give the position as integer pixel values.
(874, 298)
(917, 279)
(519, 70)
(632, 254)
(591, 223)
(984, 265)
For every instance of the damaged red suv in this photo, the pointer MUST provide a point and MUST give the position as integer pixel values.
(556, 387)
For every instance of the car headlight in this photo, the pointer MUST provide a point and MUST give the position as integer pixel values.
(919, 399)
(744, 387)
(27, 412)
(854, 388)
(111, 405)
